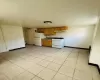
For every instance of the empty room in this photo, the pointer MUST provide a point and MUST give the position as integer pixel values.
(49, 39)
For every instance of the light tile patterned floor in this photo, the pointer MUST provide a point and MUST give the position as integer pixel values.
(45, 63)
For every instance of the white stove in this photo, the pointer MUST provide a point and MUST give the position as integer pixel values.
(58, 42)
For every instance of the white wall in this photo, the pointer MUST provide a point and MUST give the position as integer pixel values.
(3, 47)
(94, 34)
(13, 36)
(80, 36)
(95, 50)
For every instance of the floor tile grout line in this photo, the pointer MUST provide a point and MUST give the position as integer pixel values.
(43, 69)
(61, 66)
(28, 71)
(50, 62)
(52, 70)
(40, 71)
(17, 66)
(39, 58)
(43, 66)
(6, 76)
(18, 75)
(75, 66)
(92, 74)
(24, 69)
(37, 76)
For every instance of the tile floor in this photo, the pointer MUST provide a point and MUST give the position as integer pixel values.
(44, 63)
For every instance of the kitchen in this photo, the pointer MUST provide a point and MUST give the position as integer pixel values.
(42, 37)
(59, 37)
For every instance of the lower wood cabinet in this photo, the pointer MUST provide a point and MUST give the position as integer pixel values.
(47, 42)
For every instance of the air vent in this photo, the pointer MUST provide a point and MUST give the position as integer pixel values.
(47, 22)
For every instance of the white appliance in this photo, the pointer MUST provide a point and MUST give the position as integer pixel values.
(58, 43)
(38, 39)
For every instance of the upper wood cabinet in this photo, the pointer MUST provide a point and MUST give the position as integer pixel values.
(51, 31)
(64, 28)
(40, 30)
(61, 28)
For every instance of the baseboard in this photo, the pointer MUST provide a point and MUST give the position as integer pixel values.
(77, 47)
(17, 48)
(92, 64)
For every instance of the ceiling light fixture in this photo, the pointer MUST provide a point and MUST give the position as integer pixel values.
(48, 22)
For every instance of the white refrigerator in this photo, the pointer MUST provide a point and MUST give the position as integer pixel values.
(38, 39)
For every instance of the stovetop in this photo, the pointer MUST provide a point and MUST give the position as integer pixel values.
(55, 38)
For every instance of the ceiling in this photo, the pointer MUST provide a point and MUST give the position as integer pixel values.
(32, 13)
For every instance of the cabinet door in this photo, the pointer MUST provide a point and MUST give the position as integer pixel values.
(46, 42)
(64, 28)
(49, 43)
(13, 36)
(49, 31)
(2, 43)
(40, 30)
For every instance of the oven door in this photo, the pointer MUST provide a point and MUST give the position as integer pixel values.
(58, 43)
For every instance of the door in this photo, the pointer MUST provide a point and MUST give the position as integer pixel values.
(2, 42)
(13, 36)
(29, 36)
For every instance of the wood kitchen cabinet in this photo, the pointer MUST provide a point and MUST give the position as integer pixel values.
(52, 30)
(49, 31)
(57, 29)
(47, 42)
(61, 28)
(40, 30)
(64, 28)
